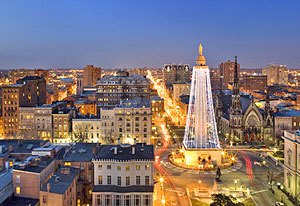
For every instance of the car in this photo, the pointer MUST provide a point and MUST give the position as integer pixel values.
(257, 163)
(279, 204)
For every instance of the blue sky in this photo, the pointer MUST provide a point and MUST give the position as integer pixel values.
(147, 33)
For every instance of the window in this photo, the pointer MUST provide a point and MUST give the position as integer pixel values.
(109, 180)
(44, 199)
(127, 181)
(137, 200)
(119, 168)
(117, 200)
(81, 165)
(119, 181)
(147, 180)
(18, 190)
(137, 119)
(138, 167)
(99, 167)
(99, 200)
(138, 180)
(146, 200)
(147, 167)
(90, 178)
(127, 200)
(17, 178)
(127, 168)
(100, 180)
(107, 200)
(109, 167)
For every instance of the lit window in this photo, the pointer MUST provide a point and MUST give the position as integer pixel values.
(127, 168)
(67, 163)
(138, 167)
(18, 190)
(119, 168)
(100, 179)
(147, 167)
(99, 167)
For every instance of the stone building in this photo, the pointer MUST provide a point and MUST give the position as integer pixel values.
(176, 73)
(123, 175)
(239, 119)
(291, 162)
(112, 89)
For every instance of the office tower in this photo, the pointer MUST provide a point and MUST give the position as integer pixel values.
(226, 70)
(276, 74)
(255, 82)
(36, 88)
(91, 75)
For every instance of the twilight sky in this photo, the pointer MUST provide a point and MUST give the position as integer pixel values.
(147, 33)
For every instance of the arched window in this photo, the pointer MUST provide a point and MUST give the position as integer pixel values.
(289, 153)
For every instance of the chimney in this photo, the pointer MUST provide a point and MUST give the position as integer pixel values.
(134, 141)
(94, 150)
(11, 148)
(48, 187)
(115, 150)
(119, 141)
(133, 150)
(65, 171)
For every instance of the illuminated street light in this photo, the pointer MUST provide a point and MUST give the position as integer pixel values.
(235, 182)
(223, 153)
(161, 179)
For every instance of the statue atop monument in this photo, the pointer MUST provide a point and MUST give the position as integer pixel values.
(200, 61)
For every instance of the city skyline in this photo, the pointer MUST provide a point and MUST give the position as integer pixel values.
(143, 34)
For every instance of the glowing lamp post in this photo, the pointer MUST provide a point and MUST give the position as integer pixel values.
(235, 182)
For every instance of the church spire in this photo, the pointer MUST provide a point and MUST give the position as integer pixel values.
(236, 89)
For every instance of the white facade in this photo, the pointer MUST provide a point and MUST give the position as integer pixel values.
(124, 180)
(292, 162)
(92, 127)
(127, 124)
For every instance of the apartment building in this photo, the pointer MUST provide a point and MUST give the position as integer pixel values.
(61, 189)
(123, 175)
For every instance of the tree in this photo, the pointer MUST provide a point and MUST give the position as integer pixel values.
(81, 133)
(223, 200)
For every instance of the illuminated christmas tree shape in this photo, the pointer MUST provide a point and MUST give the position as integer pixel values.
(201, 130)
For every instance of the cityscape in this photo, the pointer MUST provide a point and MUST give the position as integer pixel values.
(149, 103)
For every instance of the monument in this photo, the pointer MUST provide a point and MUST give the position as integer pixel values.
(201, 142)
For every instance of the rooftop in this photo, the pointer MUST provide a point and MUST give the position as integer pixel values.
(124, 152)
(35, 165)
(81, 152)
(61, 180)
(118, 189)
(19, 146)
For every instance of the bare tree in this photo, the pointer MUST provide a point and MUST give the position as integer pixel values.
(81, 133)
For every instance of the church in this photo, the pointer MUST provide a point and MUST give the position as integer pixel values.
(239, 119)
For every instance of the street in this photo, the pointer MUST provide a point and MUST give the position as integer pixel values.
(252, 178)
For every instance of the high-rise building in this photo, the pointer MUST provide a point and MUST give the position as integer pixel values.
(176, 73)
(79, 85)
(91, 75)
(276, 74)
(31, 91)
(226, 70)
(255, 83)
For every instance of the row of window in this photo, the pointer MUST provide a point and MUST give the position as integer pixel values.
(123, 200)
(127, 180)
(127, 167)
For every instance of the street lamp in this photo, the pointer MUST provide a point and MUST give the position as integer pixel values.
(199, 184)
(235, 182)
